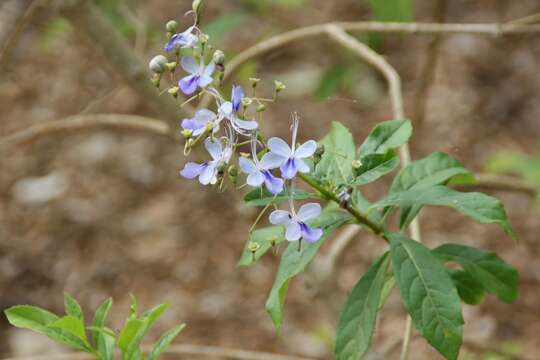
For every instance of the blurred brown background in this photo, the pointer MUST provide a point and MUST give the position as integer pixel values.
(103, 212)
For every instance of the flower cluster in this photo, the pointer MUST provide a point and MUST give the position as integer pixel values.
(232, 125)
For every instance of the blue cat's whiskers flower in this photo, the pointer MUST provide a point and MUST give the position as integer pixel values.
(203, 120)
(289, 158)
(229, 110)
(295, 223)
(258, 173)
(208, 170)
(186, 39)
(200, 75)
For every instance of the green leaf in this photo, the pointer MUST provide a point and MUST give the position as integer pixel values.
(385, 136)
(480, 207)
(264, 238)
(69, 330)
(375, 166)
(428, 294)
(469, 290)
(339, 152)
(496, 276)
(262, 197)
(103, 344)
(391, 10)
(129, 332)
(389, 284)
(331, 81)
(436, 169)
(165, 341)
(294, 261)
(30, 317)
(357, 321)
(149, 317)
(72, 307)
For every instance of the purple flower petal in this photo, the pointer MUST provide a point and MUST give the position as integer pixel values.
(280, 217)
(306, 149)
(188, 84)
(246, 125)
(189, 64)
(208, 175)
(209, 69)
(301, 165)
(255, 179)
(293, 231)
(272, 183)
(309, 234)
(172, 43)
(205, 80)
(247, 166)
(214, 148)
(226, 109)
(271, 161)
(280, 147)
(193, 124)
(236, 97)
(309, 211)
(191, 170)
(289, 169)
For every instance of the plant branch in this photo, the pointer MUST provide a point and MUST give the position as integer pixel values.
(83, 122)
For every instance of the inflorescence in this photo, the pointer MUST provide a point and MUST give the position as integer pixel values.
(232, 125)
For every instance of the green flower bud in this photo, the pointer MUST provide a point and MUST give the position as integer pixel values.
(253, 246)
(156, 80)
(209, 126)
(219, 57)
(158, 64)
(254, 82)
(356, 164)
(203, 38)
(279, 86)
(173, 91)
(232, 171)
(261, 108)
(171, 66)
(187, 133)
(196, 6)
(171, 26)
(246, 102)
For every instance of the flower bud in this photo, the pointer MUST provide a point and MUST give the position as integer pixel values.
(261, 108)
(203, 38)
(254, 82)
(173, 91)
(345, 197)
(246, 102)
(156, 80)
(158, 64)
(171, 26)
(253, 246)
(356, 164)
(318, 153)
(279, 86)
(187, 133)
(219, 57)
(209, 126)
(171, 66)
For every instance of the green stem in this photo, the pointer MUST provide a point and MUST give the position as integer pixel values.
(361, 218)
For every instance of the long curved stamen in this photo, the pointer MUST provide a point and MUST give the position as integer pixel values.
(294, 129)
(254, 149)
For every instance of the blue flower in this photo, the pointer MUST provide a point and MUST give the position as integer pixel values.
(229, 110)
(200, 75)
(288, 159)
(200, 121)
(258, 173)
(208, 170)
(295, 223)
(185, 39)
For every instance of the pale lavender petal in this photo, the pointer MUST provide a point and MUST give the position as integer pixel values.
(236, 97)
(205, 115)
(209, 69)
(255, 179)
(247, 165)
(174, 41)
(288, 168)
(309, 211)
(214, 148)
(192, 124)
(208, 175)
(301, 165)
(188, 84)
(280, 217)
(189, 64)
(280, 147)
(205, 80)
(306, 149)
(226, 109)
(309, 234)
(191, 170)
(272, 183)
(246, 125)
(271, 161)
(293, 231)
